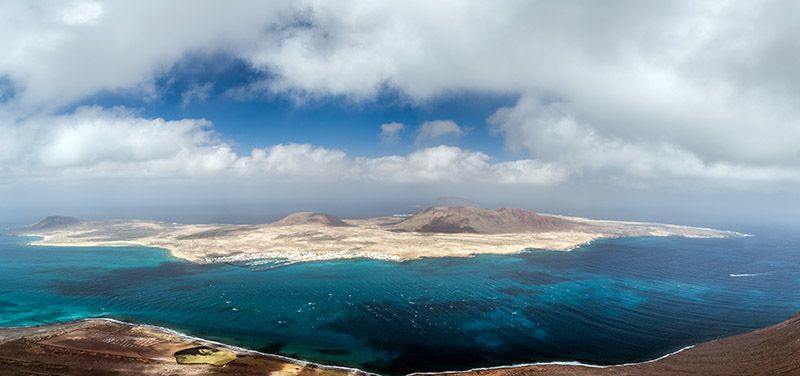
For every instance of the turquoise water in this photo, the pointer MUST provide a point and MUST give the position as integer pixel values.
(613, 301)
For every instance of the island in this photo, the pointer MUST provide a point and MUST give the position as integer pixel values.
(309, 236)
(106, 346)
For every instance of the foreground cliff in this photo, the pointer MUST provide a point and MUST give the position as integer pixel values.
(102, 347)
(106, 347)
(774, 350)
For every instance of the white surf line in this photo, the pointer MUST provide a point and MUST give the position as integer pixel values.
(235, 348)
(351, 369)
(194, 339)
(585, 244)
(562, 363)
(749, 274)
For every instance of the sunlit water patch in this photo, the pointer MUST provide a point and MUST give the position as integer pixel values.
(613, 301)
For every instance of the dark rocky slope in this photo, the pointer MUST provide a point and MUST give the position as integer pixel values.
(304, 218)
(460, 219)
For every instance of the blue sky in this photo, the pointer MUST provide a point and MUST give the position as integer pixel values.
(334, 122)
(654, 111)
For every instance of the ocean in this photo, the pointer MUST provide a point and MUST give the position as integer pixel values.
(612, 301)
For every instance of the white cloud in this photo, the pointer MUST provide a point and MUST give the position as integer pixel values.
(528, 171)
(390, 132)
(647, 91)
(96, 143)
(438, 129)
(715, 80)
(430, 165)
(196, 93)
(81, 12)
(296, 161)
(453, 164)
(92, 135)
(554, 134)
(59, 52)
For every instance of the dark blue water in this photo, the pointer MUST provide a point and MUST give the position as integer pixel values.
(613, 301)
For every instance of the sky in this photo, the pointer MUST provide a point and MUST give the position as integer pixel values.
(208, 111)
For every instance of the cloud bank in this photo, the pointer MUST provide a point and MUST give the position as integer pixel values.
(636, 95)
(94, 143)
(555, 134)
(714, 80)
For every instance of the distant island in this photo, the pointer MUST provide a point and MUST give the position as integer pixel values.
(442, 231)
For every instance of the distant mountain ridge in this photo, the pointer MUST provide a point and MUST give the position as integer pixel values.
(54, 222)
(462, 219)
(304, 218)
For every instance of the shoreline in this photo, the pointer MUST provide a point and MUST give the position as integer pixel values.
(486, 371)
(571, 363)
(44, 329)
(297, 361)
(228, 346)
(300, 256)
(290, 257)
(768, 350)
(303, 237)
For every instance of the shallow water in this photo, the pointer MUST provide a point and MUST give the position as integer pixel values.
(614, 301)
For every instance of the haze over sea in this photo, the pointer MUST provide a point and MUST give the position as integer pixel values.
(613, 301)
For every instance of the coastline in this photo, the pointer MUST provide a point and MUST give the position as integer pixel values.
(571, 363)
(572, 366)
(307, 243)
(190, 341)
(231, 347)
(311, 236)
(449, 245)
(787, 330)
(87, 235)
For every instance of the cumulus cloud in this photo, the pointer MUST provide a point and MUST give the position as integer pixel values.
(58, 52)
(641, 90)
(93, 143)
(97, 143)
(92, 135)
(296, 161)
(453, 164)
(431, 165)
(438, 129)
(81, 12)
(714, 80)
(555, 134)
(390, 132)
